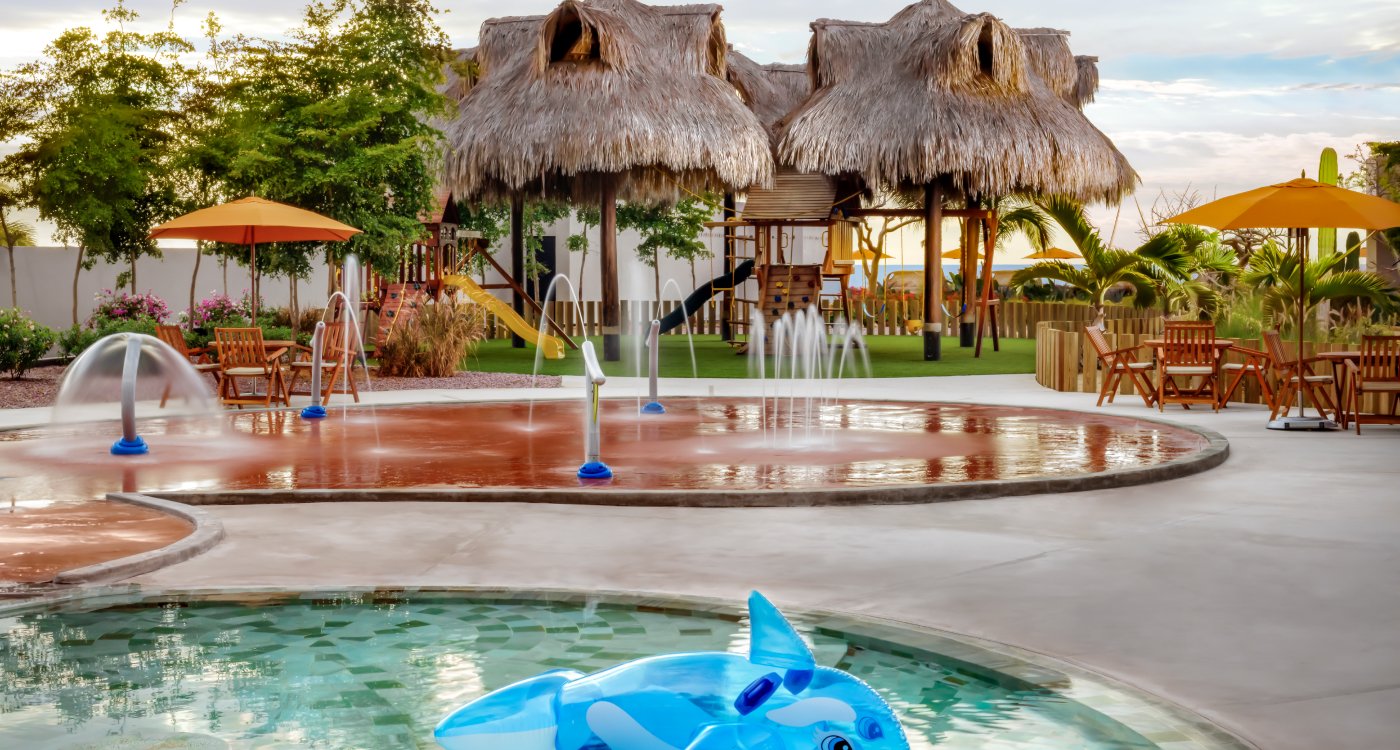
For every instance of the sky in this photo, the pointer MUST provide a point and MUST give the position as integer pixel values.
(1204, 96)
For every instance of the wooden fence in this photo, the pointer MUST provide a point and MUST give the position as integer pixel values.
(1014, 320)
(1066, 361)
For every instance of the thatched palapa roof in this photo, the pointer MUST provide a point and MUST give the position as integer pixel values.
(935, 94)
(772, 91)
(606, 87)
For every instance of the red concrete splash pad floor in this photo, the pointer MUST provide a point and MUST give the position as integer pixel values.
(702, 452)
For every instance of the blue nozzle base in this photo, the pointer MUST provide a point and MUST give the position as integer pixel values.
(134, 447)
(594, 470)
(654, 407)
(315, 411)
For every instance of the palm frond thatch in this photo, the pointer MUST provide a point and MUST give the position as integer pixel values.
(610, 89)
(935, 94)
(772, 91)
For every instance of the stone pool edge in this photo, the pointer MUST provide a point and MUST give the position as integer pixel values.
(208, 532)
(1141, 711)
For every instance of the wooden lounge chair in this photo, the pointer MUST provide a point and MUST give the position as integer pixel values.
(244, 356)
(1188, 371)
(334, 356)
(1377, 371)
(1119, 362)
(1290, 375)
(1256, 364)
(197, 357)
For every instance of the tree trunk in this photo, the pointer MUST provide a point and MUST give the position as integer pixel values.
(292, 313)
(224, 263)
(578, 286)
(77, 270)
(194, 278)
(656, 274)
(10, 243)
(1100, 313)
(133, 273)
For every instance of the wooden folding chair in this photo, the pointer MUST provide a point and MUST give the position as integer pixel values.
(1188, 371)
(1377, 371)
(1119, 362)
(243, 356)
(197, 357)
(335, 351)
(1291, 374)
(1256, 364)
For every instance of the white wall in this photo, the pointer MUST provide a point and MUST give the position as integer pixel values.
(45, 276)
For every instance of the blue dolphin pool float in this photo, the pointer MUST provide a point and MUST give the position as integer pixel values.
(777, 698)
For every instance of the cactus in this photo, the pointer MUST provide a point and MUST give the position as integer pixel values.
(1327, 174)
(1353, 261)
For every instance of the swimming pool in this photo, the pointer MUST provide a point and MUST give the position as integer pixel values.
(378, 669)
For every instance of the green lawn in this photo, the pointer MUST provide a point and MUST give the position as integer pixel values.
(890, 357)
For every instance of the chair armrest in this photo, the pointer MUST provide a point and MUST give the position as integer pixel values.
(275, 355)
(1237, 349)
(1127, 350)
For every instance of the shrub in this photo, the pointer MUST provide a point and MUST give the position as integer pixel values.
(214, 311)
(124, 306)
(22, 342)
(73, 341)
(434, 343)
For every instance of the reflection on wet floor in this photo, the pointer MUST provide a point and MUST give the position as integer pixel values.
(58, 475)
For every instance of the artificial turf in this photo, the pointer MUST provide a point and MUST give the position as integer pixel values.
(890, 357)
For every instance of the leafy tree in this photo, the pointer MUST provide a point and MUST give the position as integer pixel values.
(338, 121)
(1104, 267)
(97, 132)
(1274, 271)
(578, 242)
(674, 229)
(493, 222)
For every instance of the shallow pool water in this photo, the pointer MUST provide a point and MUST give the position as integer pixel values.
(378, 671)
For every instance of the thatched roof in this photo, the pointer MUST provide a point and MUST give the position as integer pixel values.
(772, 91)
(794, 197)
(936, 94)
(607, 87)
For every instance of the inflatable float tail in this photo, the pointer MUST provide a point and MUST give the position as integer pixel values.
(519, 717)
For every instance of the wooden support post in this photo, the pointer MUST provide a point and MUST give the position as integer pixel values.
(933, 272)
(725, 330)
(517, 262)
(984, 305)
(607, 246)
(967, 268)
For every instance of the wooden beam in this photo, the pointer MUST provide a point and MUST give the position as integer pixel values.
(607, 247)
(519, 290)
(984, 306)
(726, 332)
(517, 262)
(933, 272)
(916, 213)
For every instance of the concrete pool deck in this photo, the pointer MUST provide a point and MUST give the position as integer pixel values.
(1262, 594)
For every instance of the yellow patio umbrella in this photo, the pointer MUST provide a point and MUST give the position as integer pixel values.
(1054, 253)
(956, 254)
(250, 221)
(864, 254)
(1297, 205)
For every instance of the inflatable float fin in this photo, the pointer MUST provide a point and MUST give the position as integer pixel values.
(775, 643)
(519, 716)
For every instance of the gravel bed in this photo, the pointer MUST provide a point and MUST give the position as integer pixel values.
(38, 388)
(40, 385)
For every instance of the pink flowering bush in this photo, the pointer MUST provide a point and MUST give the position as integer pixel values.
(216, 310)
(114, 306)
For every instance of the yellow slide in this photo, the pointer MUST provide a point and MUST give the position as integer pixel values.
(553, 348)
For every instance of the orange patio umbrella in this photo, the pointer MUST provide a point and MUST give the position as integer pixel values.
(1054, 253)
(1297, 205)
(956, 254)
(250, 221)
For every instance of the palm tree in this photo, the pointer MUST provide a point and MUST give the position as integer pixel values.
(1104, 268)
(1191, 274)
(1274, 271)
(13, 233)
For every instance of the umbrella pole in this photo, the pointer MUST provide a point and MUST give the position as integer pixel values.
(1302, 422)
(253, 293)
